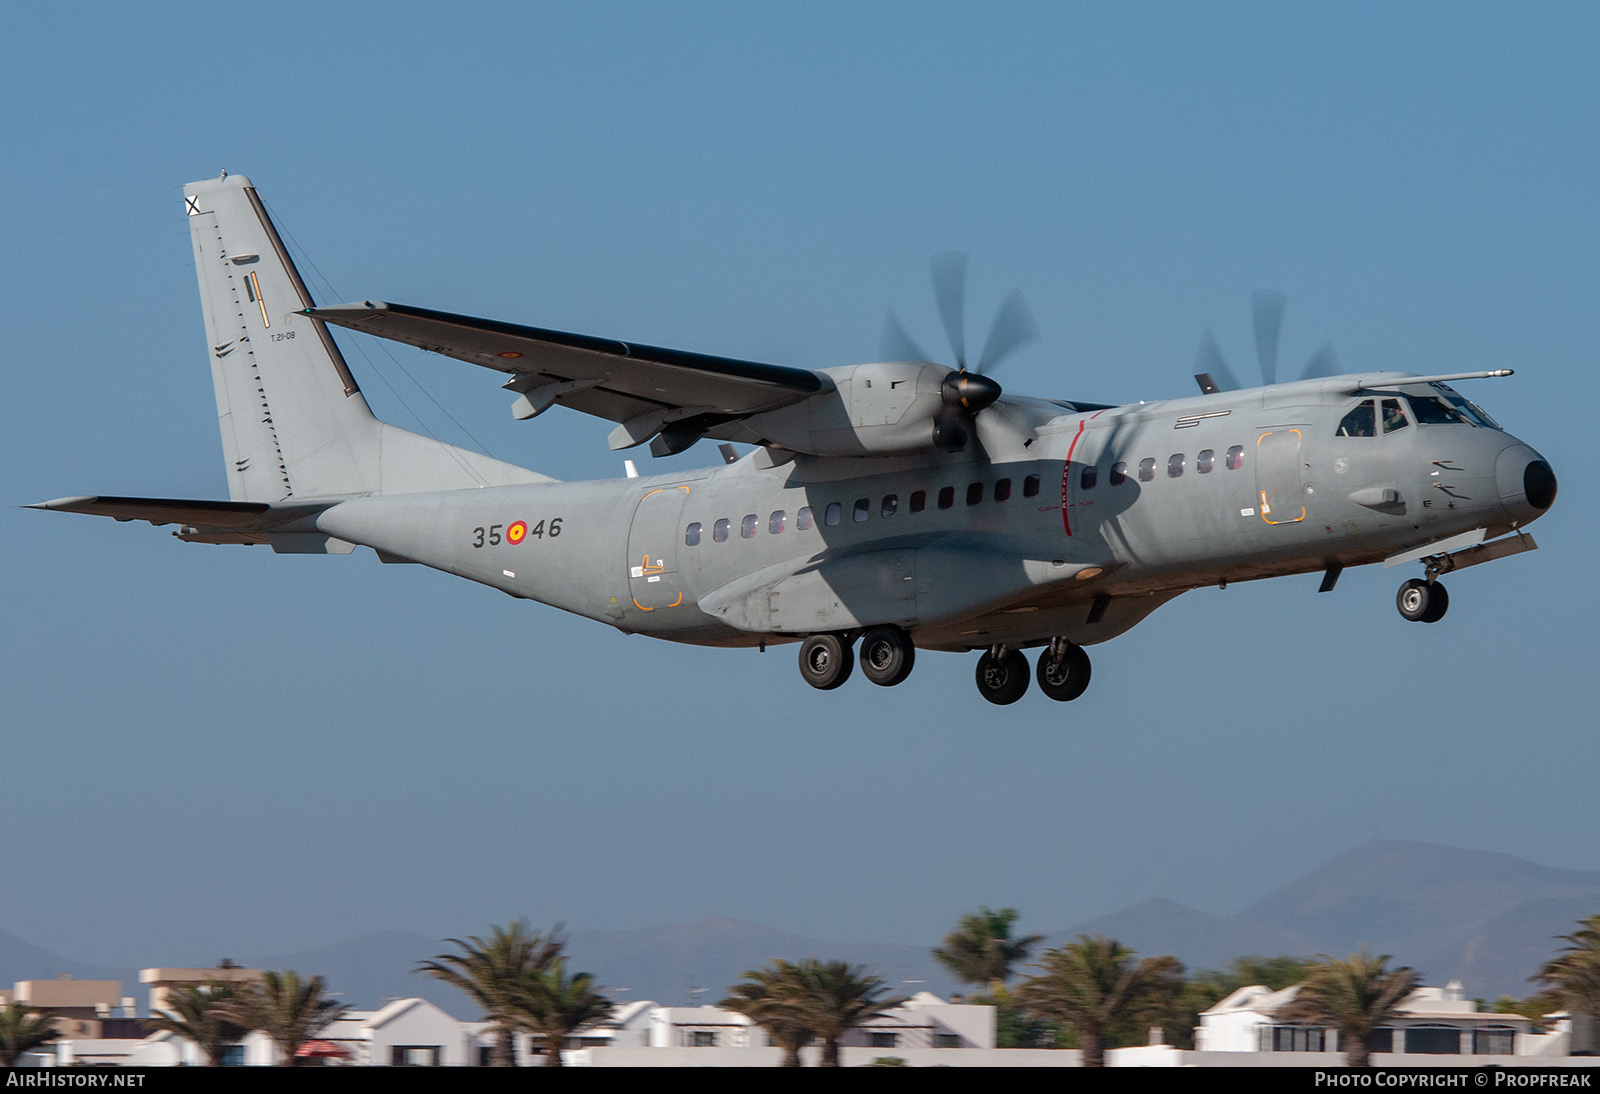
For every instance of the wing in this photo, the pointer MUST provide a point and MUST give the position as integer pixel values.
(647, 389)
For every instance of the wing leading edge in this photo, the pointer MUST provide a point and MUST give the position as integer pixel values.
(648, 390)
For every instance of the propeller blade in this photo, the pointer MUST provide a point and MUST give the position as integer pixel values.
(1266, 309)
(1208, 358)
(896, 344)
(1014, 326)
(1324, 362)
(950, 289)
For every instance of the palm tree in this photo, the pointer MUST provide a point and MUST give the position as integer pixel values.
(491, 973)
(206, 1015)
(1574, 975)
(1095, 986)
(833, 997)
(767, 997)
(289, 1010)
(553, 1006)
(981, 950)
(22, 1031)
(1356, 996)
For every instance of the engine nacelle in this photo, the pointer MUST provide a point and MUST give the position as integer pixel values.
(880, 409)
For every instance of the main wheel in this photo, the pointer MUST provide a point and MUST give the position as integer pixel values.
(1422, 602)
(1003, 681)
(1066, 679)
(887, 655)
(825, 661)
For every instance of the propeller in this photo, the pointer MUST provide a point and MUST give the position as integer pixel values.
(1266, 315)
(964, 392)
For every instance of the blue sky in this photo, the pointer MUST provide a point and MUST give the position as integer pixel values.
(213, 750)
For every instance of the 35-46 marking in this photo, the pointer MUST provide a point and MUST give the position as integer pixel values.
(515, 532)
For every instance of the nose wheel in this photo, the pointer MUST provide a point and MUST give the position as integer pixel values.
(825, 661)
(1422, 601)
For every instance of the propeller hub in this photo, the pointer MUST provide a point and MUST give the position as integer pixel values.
(971, 391)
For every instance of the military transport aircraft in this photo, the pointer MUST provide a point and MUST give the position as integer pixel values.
(898, 505)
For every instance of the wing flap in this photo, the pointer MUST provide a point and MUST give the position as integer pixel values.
(633, 380)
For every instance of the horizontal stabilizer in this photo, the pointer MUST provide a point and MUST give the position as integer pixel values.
(206, 514)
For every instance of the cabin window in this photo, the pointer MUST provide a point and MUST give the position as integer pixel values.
(1089, 476)
(1235, 457)
(890, 506)
(974, 493)
(719, 530)
(776, 521)
(1030, 486)
(947, 496)
(691, 535)
(1394, 416)
(1002, 490)
(919, 500)
(1205, 461)
(747, 527)
(1119, 473)
(805, 518)
(863, 509)
(1147, 469)
(833, 514)
(1175, 466)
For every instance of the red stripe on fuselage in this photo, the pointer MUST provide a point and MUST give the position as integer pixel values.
(1066, 473)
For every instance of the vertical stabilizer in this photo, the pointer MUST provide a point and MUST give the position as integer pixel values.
(294, 424)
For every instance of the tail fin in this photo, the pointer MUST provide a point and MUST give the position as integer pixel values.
(294, 424)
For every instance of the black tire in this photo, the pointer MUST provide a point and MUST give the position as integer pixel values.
(1421, 602)
(1438, 604)
(1005, 681)
(887, 655)
(825, 661)
(1066, 679)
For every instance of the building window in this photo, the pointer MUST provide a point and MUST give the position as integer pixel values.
(691, 535)
(775, 522)
(891, 505)
(862, 510)
(747, 527)
(1002, 490)
(702, 1038)
(1292, 1039)
(1030, 486)
(974, 493)
(1494, 1040)
(1433, 1040)
(946, 1040)
(832, 514)
(919, 500)
(804, 519)
(719, 530)
(882, 1040)
(414, 1056)
(947, 496)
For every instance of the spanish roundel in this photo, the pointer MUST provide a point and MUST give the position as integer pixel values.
(516, 532)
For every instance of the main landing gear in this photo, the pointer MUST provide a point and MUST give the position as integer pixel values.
(1422, 601)
(887, 655)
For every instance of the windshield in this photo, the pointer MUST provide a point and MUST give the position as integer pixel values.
(1466, 408)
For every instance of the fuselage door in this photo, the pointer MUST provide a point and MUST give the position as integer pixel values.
(1278, 489)
(654, 540)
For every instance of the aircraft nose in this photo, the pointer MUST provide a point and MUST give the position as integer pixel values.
(1526, 484)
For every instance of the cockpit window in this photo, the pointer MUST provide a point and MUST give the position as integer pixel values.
(1468, 409)
(1432, 411)
(1394, 415)
(1360, 422)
